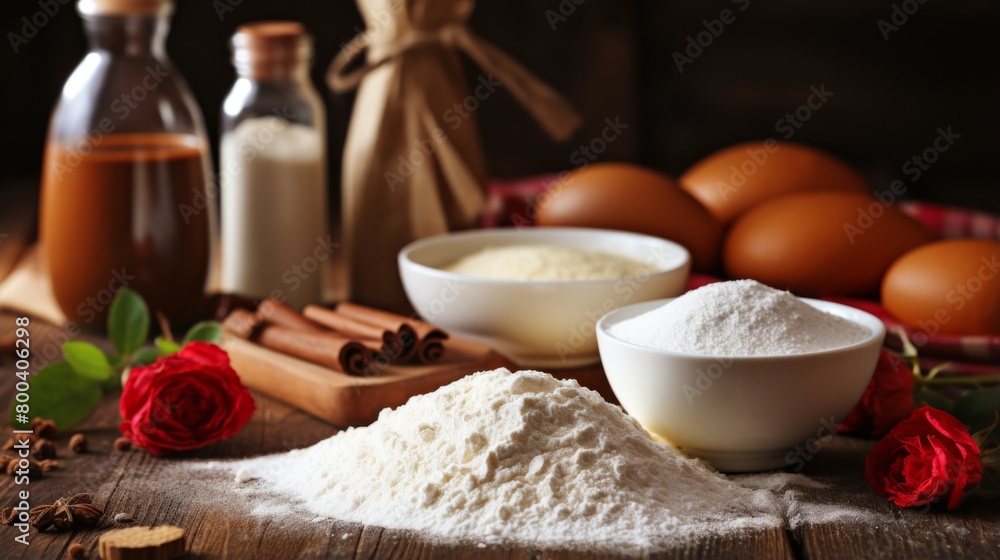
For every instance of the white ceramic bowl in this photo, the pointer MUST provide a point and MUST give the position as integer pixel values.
(741, 414)
(540, 324)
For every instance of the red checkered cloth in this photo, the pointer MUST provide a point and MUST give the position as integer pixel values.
(513, 203)
(937, 348)
(947, 222)
(950, 222)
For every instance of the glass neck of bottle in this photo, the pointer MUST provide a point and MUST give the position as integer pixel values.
(130, 35)
(275, 73)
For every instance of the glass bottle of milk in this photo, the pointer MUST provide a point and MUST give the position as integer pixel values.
(275, 234)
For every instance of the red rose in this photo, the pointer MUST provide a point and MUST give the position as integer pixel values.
(927, 458)
(184, 401)
(887, 400)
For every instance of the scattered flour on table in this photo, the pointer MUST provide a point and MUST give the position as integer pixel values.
(208, 486)
(776, 481)
(782, 491)
(544, 262)
(739, 318)
(501, 457)
(243, 475)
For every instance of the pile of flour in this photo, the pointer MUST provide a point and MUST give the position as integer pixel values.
(544, 262)
(501, 457)
(739, 318)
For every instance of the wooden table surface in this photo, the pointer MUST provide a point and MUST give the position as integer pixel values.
(167, 491)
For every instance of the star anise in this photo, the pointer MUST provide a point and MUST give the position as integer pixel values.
(77, 511)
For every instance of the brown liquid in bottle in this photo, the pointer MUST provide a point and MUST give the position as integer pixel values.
(128, 211)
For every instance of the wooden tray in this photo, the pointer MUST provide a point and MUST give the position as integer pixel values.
(345, 400)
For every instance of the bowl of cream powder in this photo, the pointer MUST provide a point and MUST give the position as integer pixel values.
(740, 374)
(536, 294)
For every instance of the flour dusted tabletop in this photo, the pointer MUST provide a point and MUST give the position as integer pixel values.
(843, 520)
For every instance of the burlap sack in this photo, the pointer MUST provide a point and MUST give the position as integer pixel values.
(413, 165)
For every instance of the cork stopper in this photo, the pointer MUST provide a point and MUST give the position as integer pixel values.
(123, 7)
(270, 50)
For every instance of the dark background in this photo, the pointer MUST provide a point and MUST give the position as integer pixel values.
(613, 58)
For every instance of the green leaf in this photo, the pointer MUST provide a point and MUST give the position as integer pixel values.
(57, 392)
(978, 408)
(165, 346)
(206, 331)
(117, 361)
(991, 482)
(128, 321)
(87, 360)
(930, 397)
(112, 384)
(145, 356)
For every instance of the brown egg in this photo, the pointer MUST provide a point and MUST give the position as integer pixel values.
(950, 287)
(820, 243)
(632, 198)
(735, 179)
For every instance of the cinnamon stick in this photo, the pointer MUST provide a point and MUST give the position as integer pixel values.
(430, 349)
(426, 344)
(346, 325)
(276, 312)
(406, 338)
(325, 348)
(241, 323)
(396, 342)
(389, 336)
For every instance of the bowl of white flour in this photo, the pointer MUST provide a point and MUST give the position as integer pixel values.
(536, 294)
(737, 373)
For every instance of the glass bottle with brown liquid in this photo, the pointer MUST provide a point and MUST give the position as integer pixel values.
(125, 184)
